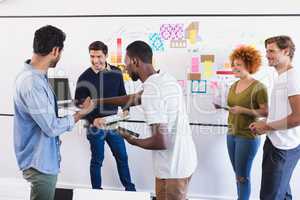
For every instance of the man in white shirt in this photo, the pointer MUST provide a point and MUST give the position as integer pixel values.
(281, 148)
(174, 154)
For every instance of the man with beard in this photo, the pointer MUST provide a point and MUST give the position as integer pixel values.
(282, 144)
(36, 123)
(174, 152)
(103, 80)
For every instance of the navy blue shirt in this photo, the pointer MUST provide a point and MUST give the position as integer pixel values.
(104, 84)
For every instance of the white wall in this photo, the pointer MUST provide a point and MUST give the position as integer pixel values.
(214, 178)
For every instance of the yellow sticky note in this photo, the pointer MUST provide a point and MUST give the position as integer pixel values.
(192, 32)
(193, 36)
(227, 65)
(113, 59)
(208, 72)
(126, 77)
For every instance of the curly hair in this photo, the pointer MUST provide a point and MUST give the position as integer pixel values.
(249, 55)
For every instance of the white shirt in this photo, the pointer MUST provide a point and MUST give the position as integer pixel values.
(162, 102)
(286, 85)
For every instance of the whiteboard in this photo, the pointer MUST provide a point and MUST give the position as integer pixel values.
(216, 36)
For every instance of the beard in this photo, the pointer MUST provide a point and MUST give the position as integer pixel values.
(134, 76)
(53, 63)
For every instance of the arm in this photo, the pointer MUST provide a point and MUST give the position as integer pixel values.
(291, 121)
(86, 108)
(157, 141)
(43, 112)
(127, 100)
(261, 112)
(82, 92)
(155, 111)
(260, 97)
(122, 92)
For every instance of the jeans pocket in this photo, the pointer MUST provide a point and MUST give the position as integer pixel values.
(95, 133)
(278, 158)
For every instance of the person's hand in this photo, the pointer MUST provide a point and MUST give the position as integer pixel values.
(259, 128)
(125, 113)
(127, 136)
(87, 106)
(99, 122)
(236, 110)
(140, 92)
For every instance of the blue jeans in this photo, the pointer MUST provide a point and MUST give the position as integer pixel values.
(241, 153)
(116, 144)
(277, 168)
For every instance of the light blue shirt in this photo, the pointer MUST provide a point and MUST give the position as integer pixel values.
(36, 126)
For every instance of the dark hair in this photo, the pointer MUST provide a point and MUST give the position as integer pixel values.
(141, 50)
(98, 46)
(46, 38)
(282, 42)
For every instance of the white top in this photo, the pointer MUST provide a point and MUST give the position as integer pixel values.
(162, 102)
(287, 84)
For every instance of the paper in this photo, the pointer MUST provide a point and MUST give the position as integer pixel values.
(191, 32)
(208, 69)
(207, 58)
(171, 31)
(194, 76)
(178, 43)
(182, 84)
(113, 58)
(156, 42)
(119, 50)
(195, 64)
(199, 86)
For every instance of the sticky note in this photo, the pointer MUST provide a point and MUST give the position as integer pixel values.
(156, 42)
(194, 76)
(199, 86)
(208, 72)
(224, 72)
(191, 32)
(181, 83)
(171, 31)
(213, 84)
(178, 43)
(113, 57)
(195, 64)
(227, 65)
(205, 58)
(119, 50)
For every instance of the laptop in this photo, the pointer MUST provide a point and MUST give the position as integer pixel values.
(61, 89)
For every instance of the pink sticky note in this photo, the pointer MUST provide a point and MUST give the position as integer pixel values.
(195, 64)
(119, 50)
(181, 83)
(195, 61)
(213, 84)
